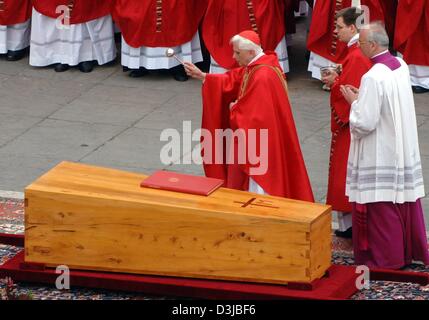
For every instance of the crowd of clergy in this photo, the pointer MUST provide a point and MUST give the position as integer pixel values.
(78, 33)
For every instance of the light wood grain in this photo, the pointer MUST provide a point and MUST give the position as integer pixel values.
(96, 218)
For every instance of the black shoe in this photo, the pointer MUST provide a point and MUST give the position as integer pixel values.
(139, 73)
(179, 74)
(15, 55)
(59, 67)
(86, 66)
(417, 89)
(344, 234)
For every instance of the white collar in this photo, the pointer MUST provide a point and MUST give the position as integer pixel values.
(384, 52)
(353, 40)
(256, 58)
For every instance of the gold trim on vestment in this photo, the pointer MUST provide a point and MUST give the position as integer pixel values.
(252, 16)
(158, 15)
(248, 74)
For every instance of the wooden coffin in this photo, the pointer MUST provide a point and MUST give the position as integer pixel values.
(96, 218)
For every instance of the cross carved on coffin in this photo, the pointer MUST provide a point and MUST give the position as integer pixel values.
(258, 203)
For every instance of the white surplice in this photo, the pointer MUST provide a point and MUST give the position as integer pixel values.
(384, 159)
(92, 40)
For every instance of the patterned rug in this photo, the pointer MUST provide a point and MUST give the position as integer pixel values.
(12, 221)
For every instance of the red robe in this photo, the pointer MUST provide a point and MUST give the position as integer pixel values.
(354, 67)
(322, 39)
(412, 31)
(81, 10)
(14, 11)
(263, 103)
(226, 18)
(177, 24)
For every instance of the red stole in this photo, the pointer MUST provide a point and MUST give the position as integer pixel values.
(158, 23)
(80, 10)
(263, 103)
(14, 11)
(226, 18)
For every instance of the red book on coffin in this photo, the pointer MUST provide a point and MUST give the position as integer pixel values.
(167, 180)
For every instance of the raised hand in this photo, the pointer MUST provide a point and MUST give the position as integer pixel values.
(193, 71)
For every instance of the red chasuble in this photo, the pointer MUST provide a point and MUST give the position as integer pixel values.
(226, 18)
(14, 11)
(158, 23)
(354, 67)
(263, 103)
(322, 39)
(412, 31)
(80, 10)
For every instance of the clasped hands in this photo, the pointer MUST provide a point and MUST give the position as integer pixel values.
(350, 93)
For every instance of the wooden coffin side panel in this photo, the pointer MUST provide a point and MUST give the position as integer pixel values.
(321, 245)
(115, 235)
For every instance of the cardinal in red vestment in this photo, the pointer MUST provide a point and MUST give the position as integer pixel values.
(355, 65)
(252, 99)
(14, 28)
(226, 18)
(72, 33)
(150, 27)
(412, 40)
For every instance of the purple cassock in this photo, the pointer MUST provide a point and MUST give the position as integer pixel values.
(389, 235)
(385, 234)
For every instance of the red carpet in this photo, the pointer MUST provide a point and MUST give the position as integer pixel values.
(338, 284)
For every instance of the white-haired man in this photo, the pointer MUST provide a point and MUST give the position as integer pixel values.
(14, 28)
(253, 97)
(384, 176)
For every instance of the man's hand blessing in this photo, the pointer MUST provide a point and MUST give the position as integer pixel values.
(193, 71)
